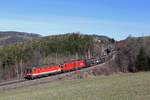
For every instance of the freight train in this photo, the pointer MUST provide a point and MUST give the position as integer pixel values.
(46, 70)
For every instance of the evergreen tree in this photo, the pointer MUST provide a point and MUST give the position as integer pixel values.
(142, 60)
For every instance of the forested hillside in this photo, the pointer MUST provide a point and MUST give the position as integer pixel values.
(15, 58)
(9, 37)
(134, 54)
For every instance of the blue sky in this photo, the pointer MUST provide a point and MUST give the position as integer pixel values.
(113, 18)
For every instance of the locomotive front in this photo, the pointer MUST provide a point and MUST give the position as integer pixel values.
(29, 73)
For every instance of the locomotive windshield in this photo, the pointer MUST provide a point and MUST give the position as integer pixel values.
(29, 70)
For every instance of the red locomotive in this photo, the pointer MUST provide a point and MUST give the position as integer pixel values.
(39, 71)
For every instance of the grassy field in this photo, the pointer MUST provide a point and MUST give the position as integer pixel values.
(115, 87)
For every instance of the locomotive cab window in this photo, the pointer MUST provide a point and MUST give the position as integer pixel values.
(29, 70)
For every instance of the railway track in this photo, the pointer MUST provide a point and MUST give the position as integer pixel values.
(24, 80)
(12, 82)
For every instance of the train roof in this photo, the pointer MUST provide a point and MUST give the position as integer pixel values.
(52, 64)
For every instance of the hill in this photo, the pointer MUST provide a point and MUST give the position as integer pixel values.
(15, 58)
(10, 37)
(115, 87)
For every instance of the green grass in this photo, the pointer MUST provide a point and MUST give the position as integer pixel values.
(116, 87)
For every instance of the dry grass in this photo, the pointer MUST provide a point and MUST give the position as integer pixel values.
(116, 87)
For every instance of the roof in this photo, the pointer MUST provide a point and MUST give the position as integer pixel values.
(52, 64)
